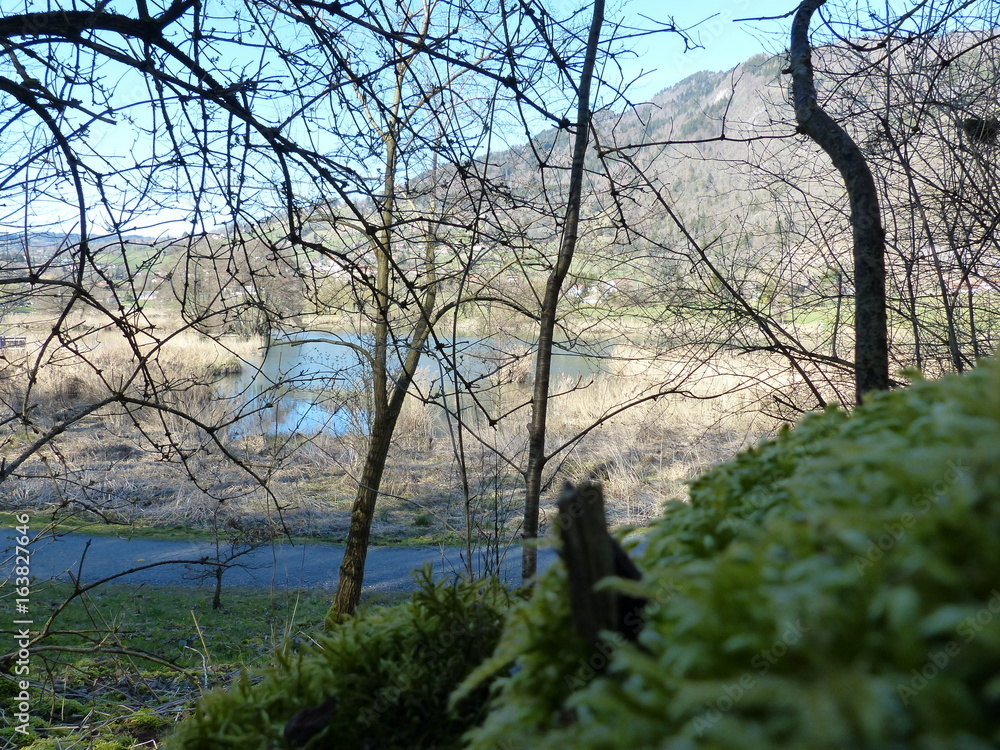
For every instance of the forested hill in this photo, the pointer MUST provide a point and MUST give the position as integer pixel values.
(696, 141)
(707, 191)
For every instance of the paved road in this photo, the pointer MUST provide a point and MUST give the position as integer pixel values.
(283, 565)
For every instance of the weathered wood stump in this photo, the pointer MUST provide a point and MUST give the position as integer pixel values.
(592, 554)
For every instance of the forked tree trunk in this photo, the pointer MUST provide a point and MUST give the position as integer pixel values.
(537, 457)
(871, 347)
(386, 414)
(387, 401)
(352, 568)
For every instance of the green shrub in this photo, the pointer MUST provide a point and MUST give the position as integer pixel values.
(837, 587)
(391, 670)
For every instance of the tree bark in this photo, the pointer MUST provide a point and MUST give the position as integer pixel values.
(537, 457)
(871, 348)
(387, 400)
(352, 567)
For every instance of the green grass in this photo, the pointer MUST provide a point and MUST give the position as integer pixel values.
(104, 693)
(421, 535)
(178, 624)
(75, 525)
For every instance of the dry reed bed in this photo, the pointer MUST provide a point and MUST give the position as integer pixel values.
(112, 459)
(88, 367)
(114, 463)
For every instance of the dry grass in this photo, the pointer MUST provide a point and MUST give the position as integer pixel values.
(91, 365)
(115, 461)
(644, 449)
(134, 457)
(645, 453)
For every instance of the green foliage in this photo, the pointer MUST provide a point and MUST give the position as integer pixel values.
(836, 587)
(537, 654)
(391, 670)
(89, 696)
(144, 722)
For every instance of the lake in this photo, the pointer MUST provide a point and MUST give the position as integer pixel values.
(317, 382)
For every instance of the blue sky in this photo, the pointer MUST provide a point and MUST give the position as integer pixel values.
(662, 56)
(726, 44)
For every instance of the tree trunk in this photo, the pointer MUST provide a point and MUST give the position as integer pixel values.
(217, 598)
(537, 457)
(387, 400)
(871, 348)
(352, 568)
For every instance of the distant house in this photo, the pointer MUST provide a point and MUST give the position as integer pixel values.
(974, 286)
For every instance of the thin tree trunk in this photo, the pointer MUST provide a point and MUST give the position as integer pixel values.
(836, 318)
(387, 401)
(217, 597)
(871, 348)
(537, 457)
(383, 418)
(352, 568)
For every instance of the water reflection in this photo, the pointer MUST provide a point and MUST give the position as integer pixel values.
(319, 382)
(307, 383)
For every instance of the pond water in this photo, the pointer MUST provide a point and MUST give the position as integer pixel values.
(315, 382)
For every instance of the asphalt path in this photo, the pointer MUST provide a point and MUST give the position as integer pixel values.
(283, 565)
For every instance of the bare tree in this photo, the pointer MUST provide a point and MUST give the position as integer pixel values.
(263, 164)
(537, 454)
(871, 352)
(259, 173)
(764, 255)
(410, 115)
(928, 132)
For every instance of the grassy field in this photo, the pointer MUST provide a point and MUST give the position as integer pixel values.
(126, 662)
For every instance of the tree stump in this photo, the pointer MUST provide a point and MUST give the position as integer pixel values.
(591, 554)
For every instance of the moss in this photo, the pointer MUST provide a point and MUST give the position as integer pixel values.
(145, 725)
(390, 671)
(836, 587)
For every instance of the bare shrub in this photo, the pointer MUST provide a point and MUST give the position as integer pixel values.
(417, 424)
